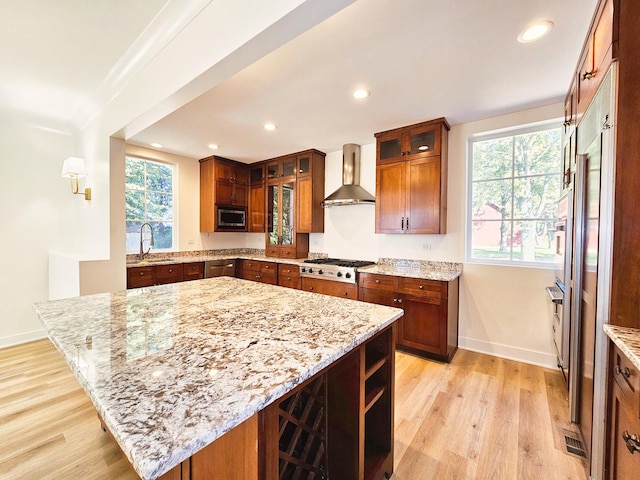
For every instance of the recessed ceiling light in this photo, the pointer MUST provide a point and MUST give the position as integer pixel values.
(535, 31)
(213, 146)
(270, 126)
(157, 145)
(361, 93)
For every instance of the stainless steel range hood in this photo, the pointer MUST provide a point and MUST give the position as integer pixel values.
(350, 193)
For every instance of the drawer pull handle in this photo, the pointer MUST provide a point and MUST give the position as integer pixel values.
(632, 442)
(626, 373)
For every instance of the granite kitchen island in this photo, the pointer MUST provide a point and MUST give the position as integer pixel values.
(172, 369)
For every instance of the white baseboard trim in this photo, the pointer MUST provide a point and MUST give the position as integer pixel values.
(27, 337)
(540, 359)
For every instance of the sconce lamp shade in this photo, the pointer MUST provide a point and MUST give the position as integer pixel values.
(74, 167)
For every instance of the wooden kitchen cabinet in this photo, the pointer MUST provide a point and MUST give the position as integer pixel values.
(430, 323)
(293, 204)
(623, 460)
(169, 273)
(597, 55)
(411, 179)
(141, 276)
(337, 425)
(223, 182)
(289, 276)
(310, 186)
(257, 195)
(258, 271)
(329, 287)
(193, 271)
(149, 275)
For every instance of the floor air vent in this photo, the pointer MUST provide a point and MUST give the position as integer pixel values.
(573, 444)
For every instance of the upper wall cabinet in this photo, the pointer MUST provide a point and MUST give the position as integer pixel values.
(257, 197)
(295, 190)
(223, 182)
(411, 178)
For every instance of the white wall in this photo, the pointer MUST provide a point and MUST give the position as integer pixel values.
(39, 214)
(503, 310)
(34, 198)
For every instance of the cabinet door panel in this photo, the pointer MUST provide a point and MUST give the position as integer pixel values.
(423, 203)
(390, 197)
(423, 327)
(305, 205)
(257, 207)
(622, 463)
(379, 297)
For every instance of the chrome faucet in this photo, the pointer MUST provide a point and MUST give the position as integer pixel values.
(142, 252)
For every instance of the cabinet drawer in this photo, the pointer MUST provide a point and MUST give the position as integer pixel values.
(270, 278)
(169, 273)
(288, 270)
(378, 282)
(194, 271)
(327, 287)
(379, 297)
(420, 287)
(269, 267)
(141, 277)
(291, 281)
(625, 375)
(252, 265)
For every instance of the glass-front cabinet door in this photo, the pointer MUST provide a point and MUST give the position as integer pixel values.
(281, 168)
(281, 213)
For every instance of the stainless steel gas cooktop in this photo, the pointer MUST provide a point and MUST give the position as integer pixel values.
(335, 269)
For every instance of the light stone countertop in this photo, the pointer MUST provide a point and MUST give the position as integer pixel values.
(427, 270)
(171, 368)
(628, 341)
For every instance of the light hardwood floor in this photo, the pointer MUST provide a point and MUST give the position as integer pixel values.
(480, 417)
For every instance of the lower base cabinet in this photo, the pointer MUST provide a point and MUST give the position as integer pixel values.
(328, 287)
(430, 323)
(258, 271)
(337, 425)
(623, 460)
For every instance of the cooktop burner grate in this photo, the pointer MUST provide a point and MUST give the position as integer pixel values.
(340, 262)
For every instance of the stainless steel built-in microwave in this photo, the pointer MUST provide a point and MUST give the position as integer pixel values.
(231, 218)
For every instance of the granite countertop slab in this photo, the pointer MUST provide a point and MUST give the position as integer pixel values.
(627, 340)
(206, 255)
(173, 367)
(428, 270)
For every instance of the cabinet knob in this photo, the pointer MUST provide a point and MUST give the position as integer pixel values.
(588, 75)
(346, 294)
(141, 273)
(258, 276)
(311, 289)
(632, 442)
(171, 270)
(399, 300)
(421, 287)
(377, 281)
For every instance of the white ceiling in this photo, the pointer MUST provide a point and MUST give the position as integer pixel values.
(420, 58)
(54, 54)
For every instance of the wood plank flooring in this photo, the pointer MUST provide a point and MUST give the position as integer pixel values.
(480, 417)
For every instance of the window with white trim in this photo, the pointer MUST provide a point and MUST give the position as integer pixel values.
(514, 186)
(149, 199)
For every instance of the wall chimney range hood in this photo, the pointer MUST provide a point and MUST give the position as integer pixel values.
(350, 193)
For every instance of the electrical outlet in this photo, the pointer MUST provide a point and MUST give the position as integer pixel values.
(426, 246)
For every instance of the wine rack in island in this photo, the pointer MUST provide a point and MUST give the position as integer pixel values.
(339, 424)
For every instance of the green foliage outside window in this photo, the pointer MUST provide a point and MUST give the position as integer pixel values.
(148, 198)
(515, 186)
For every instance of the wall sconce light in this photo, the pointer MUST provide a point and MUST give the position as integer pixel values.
(75, 168)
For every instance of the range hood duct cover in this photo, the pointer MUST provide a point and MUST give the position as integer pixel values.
(350, 193)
